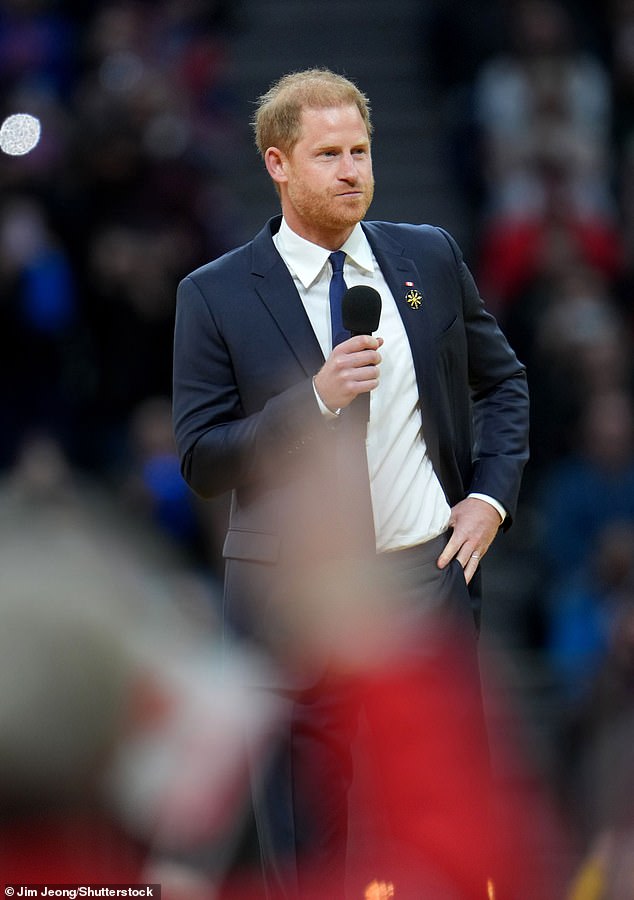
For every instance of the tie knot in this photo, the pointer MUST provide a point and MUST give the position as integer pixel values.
(337, 259)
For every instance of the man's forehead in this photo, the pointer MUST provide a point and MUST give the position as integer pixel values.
(331, 117)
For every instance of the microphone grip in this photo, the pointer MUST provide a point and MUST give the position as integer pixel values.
(361, 403)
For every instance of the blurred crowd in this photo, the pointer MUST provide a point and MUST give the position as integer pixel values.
(538, 108)
(123, 195)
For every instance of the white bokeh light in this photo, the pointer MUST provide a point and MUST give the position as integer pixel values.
(19, 134)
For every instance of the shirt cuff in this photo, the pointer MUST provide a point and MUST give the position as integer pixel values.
(325, 410)
(494, 503)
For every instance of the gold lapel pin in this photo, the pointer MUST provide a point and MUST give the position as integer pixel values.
(413, 297)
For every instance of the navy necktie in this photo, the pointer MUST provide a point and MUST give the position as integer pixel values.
(336, 292)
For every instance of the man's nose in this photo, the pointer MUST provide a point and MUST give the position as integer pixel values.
(347, 167)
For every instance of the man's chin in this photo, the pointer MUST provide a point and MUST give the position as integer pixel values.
(354, 212)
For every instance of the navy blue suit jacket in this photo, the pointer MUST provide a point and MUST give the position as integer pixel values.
(245, 414)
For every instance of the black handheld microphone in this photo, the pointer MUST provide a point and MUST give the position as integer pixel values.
(360, 312)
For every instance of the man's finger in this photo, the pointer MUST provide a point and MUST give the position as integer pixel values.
(448, 553)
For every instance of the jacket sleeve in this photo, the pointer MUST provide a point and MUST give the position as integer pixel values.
(221, 442)
(500, 399)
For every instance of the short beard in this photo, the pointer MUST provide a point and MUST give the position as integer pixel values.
(317, 210)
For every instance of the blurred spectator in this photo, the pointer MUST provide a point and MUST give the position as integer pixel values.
(586, 608)
(458, 39)
(591, 488)
(157, 486)
(544, 114)
(39, 317)
(153, 488)
(571, 333)
(544, 103)
(63, 706)
(131, 323)
(122, 739)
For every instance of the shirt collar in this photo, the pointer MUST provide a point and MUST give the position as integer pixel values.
(306, 260)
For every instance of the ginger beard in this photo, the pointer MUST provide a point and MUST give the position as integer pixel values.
(330, 210)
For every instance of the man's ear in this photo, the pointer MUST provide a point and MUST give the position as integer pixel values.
(275, 161)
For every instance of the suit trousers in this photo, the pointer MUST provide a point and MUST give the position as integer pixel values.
(426, 650)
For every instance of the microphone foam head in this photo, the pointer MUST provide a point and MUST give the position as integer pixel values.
(361, 309)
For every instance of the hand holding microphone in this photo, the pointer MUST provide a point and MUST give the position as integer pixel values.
(352, 367)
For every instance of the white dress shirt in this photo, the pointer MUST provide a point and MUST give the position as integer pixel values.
(408, 502)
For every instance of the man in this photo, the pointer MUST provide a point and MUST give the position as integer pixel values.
(263, 397)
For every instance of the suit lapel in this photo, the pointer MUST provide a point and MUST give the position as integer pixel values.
(404, 275)
(274, 285)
